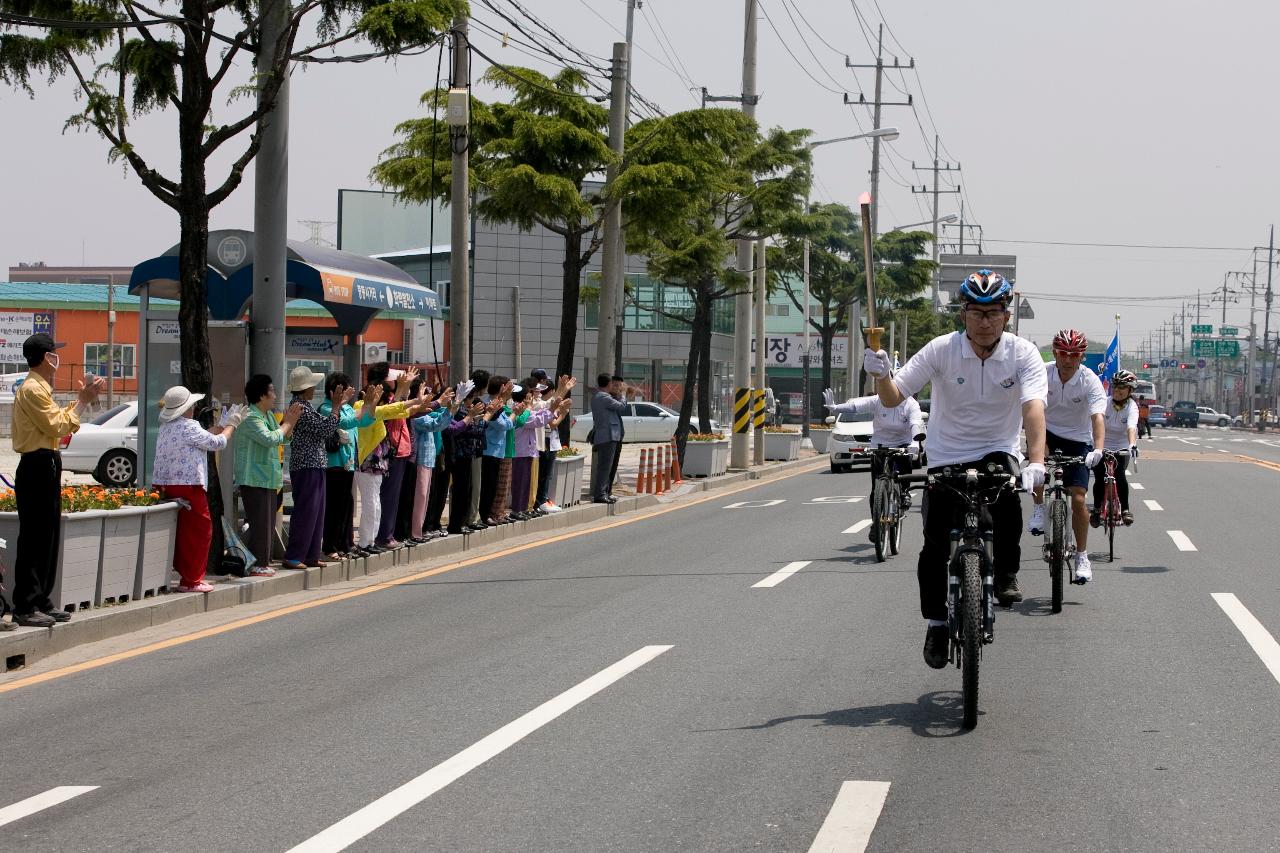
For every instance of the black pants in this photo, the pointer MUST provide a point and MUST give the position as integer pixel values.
(408, 490)
(901, 463)
(489, 466)
(339, 509)
(439, 496)
(38, 485)
(260, 514)
(460, 494)
(546, 464)
(1122, 483)
(1144, 425)
(940, 508)
(390, 498)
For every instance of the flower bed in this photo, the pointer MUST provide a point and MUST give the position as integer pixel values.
(781, 443)
(818, 434)
(705, 455)
(566, 485)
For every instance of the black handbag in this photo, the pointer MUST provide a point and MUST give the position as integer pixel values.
(332, 444)
(591, 436)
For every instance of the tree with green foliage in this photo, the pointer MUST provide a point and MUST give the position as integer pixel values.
(697, 182)
(128, 59)
(530, 159)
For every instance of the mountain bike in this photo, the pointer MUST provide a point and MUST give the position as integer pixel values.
(887, 500)
(1060, 539)
(1110, 513)
(970, 571)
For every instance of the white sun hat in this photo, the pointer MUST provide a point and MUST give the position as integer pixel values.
(176, 401)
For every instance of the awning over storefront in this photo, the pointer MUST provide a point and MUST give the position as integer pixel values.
(353, 288)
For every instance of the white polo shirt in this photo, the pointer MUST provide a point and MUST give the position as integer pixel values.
(894, 427)
(1118, 422)
(1072, 404)
(976, 405)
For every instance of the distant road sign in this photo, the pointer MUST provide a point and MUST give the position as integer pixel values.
(1201, 363)
(1202, 329)
(1228, 349)
(1228, 331)
(1204, 347)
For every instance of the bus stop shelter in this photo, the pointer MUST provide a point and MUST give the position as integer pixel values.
(353, 289)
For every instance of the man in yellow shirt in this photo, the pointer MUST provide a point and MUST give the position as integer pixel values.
(38, 423)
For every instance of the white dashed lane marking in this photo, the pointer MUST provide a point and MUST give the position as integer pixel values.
(1264, 644)
(1180, 539)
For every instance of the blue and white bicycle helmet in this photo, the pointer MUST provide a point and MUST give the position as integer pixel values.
(985, 288)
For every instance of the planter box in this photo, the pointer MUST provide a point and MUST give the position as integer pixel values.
(819, 438)
(155, 560)
(781, 446)
(705, 458)
(79, 557)
(121, 543)
(566, 485)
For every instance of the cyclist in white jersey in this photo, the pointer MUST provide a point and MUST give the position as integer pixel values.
(1121, 424)
(1073, 426)
(896, 427)
(987, 384)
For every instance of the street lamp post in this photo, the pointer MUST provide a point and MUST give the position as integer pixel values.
(887, 134)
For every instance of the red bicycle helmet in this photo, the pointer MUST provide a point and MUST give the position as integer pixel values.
(1070, 340)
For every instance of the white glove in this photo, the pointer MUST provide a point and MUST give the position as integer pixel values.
(233, 416)
(1133, 451)
(1092, 458)
(829, 398)
(876, 363)
(1032, 476)
(463, 388)
(343, 437)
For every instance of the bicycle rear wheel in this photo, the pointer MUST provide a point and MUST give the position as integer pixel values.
(894, 507)
(971, 625)
(1057, 550)
(1112, 519)
(879, 498)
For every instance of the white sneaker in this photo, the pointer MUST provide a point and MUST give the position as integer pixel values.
(1036, 524)
(1083, 570)
(549, 507)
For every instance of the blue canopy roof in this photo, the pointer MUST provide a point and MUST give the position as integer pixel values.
(352, 288)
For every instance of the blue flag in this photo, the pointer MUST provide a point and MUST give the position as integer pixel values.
(1110, 361)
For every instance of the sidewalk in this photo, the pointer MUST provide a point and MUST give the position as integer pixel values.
(629, 466)
(25, 646)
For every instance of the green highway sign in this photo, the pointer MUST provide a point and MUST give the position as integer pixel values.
(1228, 349)
(1144, 375)
(1204, 348)
(1228, 331)
(1202, 329)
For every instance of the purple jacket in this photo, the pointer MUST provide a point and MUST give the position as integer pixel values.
(527, 435)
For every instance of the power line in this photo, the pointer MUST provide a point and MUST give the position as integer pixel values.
(648, 12)
(1123, 245)
(796, 59)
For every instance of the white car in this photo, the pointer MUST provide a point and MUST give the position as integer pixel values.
(850, 439)
(643, 422)
(7, 381)
(106, 447)
(1212, 416)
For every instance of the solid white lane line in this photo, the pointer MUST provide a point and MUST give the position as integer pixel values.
(860, 526)
(1258, 636)
(1153, 506)
(852, 818)
(356, 826)
(1220, 450)
(40, 802)
(1193, 443)
(781, 574)
(1180, 539)
(1137, 486)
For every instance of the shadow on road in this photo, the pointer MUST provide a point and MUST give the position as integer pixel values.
(1145, 570)
(933, 715)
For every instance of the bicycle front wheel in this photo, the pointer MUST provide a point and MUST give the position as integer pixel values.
(1057, 550)
(895, 512)
(879, 500)
(971, 625)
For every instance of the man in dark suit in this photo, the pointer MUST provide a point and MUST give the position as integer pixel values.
(607, 408)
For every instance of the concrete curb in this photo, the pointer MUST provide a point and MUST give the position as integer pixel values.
(27, 645)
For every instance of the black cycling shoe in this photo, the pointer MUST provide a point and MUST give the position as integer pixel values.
(1095, 518)
(1007, 591)
(937, 639)
(906, 500)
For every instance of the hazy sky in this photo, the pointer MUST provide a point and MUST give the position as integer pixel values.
(1137, 122)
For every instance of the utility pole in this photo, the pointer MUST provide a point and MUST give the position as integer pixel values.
(460, 205)
(111, 346)
(760, 384)
(876, 105)
(1266, 326)
(270, 204)
(738, 450)
(937, 169)
(517, 334)
(611, 294)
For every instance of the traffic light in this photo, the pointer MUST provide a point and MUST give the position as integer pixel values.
(1146, 365)
(1184, 366)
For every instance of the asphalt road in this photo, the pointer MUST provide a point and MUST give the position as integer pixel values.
(633, 690)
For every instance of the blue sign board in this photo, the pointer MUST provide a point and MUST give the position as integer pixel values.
(42, 321)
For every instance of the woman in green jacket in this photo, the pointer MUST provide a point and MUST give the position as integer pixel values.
(259, 472)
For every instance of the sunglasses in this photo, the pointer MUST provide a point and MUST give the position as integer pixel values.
(986, 316)
(1064, 354)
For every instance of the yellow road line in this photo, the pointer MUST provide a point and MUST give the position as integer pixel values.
(84, 666)
(1263, 463)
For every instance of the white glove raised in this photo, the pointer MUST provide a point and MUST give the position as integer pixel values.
(876, 363)
(1092, 458)
(1032, 476)
(828, 398)
(1133, 451)
(463, 388)
(234, 416)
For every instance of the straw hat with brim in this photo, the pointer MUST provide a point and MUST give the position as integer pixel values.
(302, 377)
(176, 401)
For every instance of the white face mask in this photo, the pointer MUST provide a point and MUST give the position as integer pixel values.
(54, 359)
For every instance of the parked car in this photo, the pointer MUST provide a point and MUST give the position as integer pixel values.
(850, 437)
(1184, 414)
(643, 422)
(1239, 420)
(1157, 416)
(106, 447)
(1212, 416)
